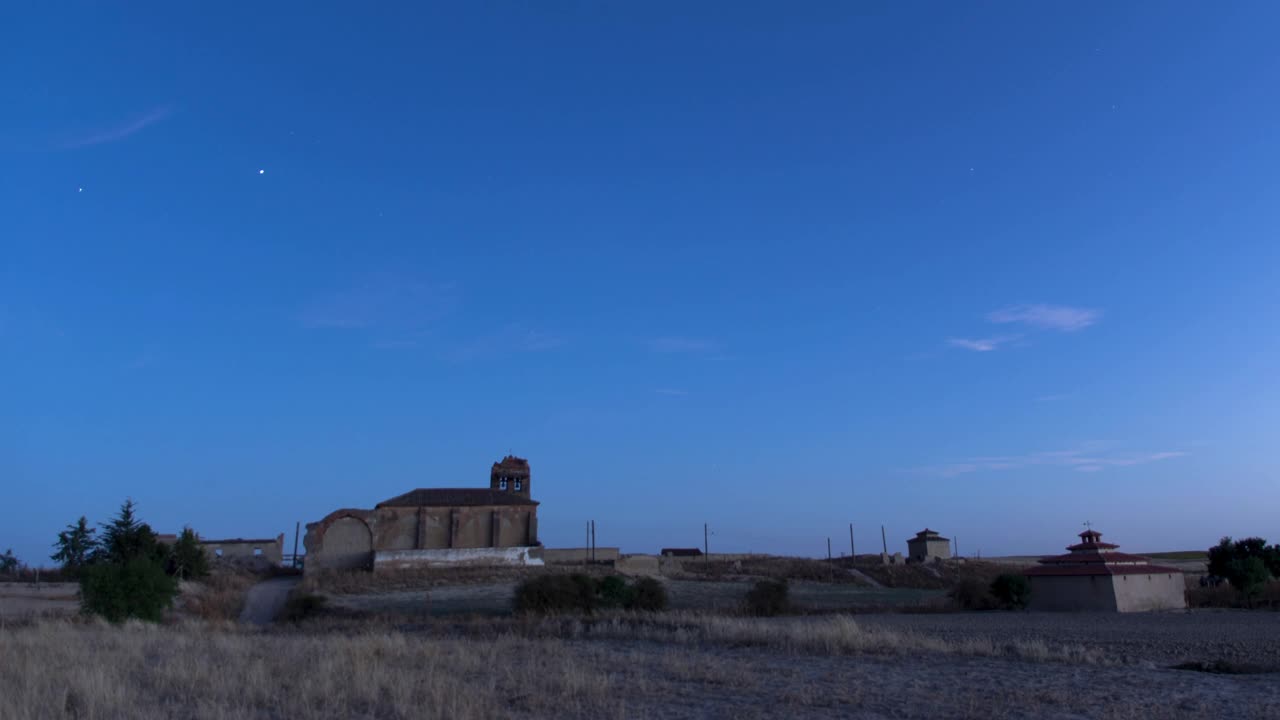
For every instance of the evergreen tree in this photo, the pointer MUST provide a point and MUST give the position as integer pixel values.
(76, 546)
(9, 563)
(127, 575)
(126, 537)
(187, 559)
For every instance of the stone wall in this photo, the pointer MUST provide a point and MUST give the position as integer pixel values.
(268, 551)
(579, 555)
(407, 559)
(638, 565)
(1072, 593)
(920, 550)
(1141, 593)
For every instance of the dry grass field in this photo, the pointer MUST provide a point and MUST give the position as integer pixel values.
(444, 645)
(675, 665)
(20, 600)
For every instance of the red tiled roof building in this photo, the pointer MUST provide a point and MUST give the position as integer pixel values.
(1094, 576)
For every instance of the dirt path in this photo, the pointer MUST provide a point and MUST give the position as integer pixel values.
(266, 599)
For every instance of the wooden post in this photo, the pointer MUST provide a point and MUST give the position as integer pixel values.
(706, 543)
(852, 554)
(883, 541)
(828, 549)
(296, 527)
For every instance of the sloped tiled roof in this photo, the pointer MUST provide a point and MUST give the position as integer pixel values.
(455, 497)
(1094, 557)
(1099, 569)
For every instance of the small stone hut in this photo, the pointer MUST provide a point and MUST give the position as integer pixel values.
(1093, 576)
(927, 546)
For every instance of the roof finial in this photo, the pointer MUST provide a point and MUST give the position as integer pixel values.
(1088, 525)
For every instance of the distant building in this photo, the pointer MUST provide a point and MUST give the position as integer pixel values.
(681, 552)
(238, 551)
(1093, 576)
(434, 526)
(928, 545)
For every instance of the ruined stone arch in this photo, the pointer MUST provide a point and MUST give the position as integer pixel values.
(348, 544)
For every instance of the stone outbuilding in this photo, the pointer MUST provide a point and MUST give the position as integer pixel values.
(1094, 576)
(429, 526)
(928, 546)
(260, 553)
(269, 551)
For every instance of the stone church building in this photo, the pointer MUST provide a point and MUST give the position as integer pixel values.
(428, 526)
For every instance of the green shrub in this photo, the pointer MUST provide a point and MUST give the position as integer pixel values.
(137, 588)
(648, 595)
(1249, 575)
(613, 592)
(584, 594)
(1011, 590)
(768, 598)
(556, 593)
(972, 594)
(1235, 561)
(300, 606)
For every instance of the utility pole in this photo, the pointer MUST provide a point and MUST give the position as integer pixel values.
(706, 543)
(851, 552)
(883, 541)
(828, 550)
(296, 527)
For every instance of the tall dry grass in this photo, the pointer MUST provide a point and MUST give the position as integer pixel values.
(216, 671)
(818, 635)
(220, 596)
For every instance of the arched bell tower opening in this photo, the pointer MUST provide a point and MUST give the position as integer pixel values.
(510, 475)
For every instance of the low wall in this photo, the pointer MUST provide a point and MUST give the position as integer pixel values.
(579, 555)
(453, 557)
(1157, 591)
(636, 565)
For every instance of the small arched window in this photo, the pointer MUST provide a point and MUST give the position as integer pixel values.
(502, 483)
(518, 485)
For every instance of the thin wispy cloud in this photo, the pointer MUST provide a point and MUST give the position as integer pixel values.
(1062, 318)
(1080, 460)
(509, 340)
(120, 132)
(676, 344)
(385, 303)
(981, 344)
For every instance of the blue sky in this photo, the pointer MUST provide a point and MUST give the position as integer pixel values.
(993, 268)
